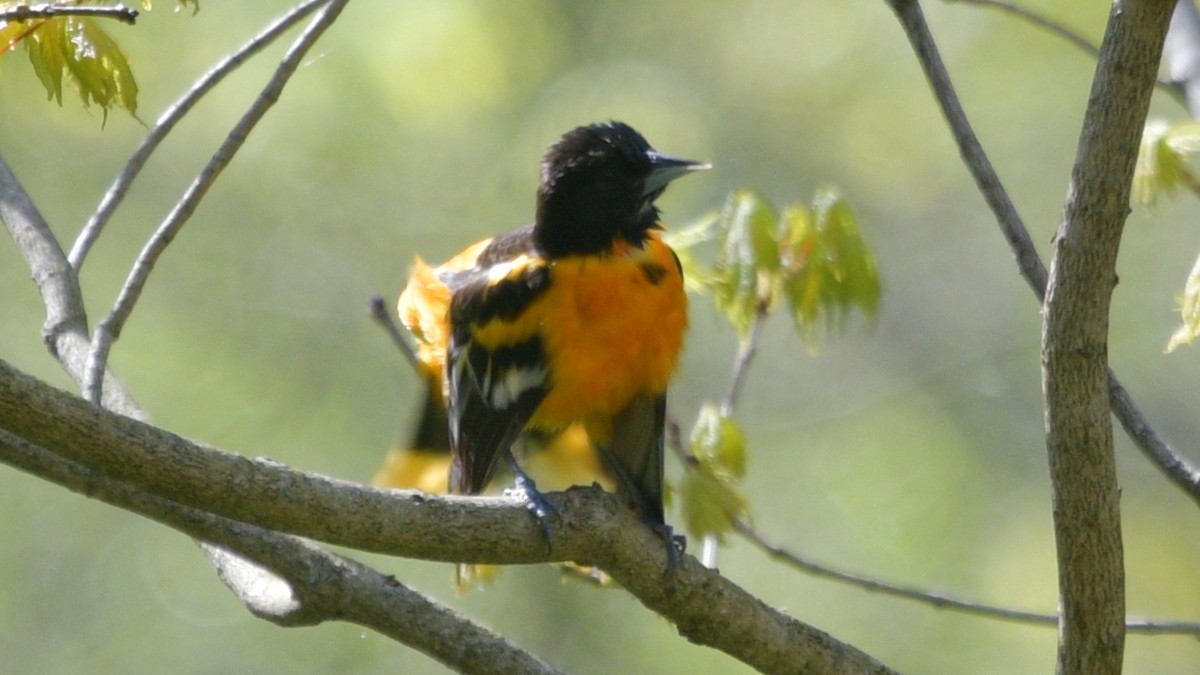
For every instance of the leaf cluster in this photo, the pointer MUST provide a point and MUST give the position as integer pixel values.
(811, 260)
(75, 48)
(1163, 166)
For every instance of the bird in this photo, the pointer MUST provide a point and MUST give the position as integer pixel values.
(421, 460)
(575, 321)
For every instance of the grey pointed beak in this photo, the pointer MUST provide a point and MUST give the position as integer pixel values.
(665, 169)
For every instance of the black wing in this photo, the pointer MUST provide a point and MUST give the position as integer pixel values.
(494, 390)
(433, 429)
(635, 455)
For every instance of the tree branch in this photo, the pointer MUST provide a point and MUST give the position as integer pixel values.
(167, 121)
(65, 330)
(109, 329)
(1171, 88)
(316, 585)
(593, 529)
(48, 11)
(1075, 342)
(443, 635)
(942, 600)
(1178, 470)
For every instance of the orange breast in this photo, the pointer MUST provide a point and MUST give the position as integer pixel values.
(612, 329)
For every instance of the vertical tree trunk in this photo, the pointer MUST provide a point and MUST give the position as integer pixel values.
(1079, 435)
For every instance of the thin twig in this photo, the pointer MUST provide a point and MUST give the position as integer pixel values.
(1178, 470)
(1030, 264)
(1038, 20)
(941, 600)
(748, 347)
(382, 317)
(741, 364)
(109, 329)
(172, 115)
(49, 10)
(1174, 89)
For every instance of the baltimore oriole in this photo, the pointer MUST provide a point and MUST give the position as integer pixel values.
(576, 319)
(422, 460)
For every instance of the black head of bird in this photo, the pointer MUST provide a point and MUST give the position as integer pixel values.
(598, 184)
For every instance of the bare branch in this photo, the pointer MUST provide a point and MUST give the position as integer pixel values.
(65, 331)
(594, 529)
(382, 317)
(1177, 469)
(1169, 87)
(326, 586)
(313, 585)
(49, 10)
(936, 599)
(167, 121)
(942, 600)
(913, 21)
(741, 364)
(1079, 435)
(425, 626)
(109, 329)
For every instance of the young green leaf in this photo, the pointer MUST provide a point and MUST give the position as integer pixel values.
(717, 441)
(711, 497)
(13, 32)
(710, 503)
(79, 48)
(1162, 164)
(828, 268)
(1189, 311)
(747, 258)
(696, 277)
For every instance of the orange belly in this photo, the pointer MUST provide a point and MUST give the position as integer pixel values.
(612, 332)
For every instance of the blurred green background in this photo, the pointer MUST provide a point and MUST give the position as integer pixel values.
(911, 452)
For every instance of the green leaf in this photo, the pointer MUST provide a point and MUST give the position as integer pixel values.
(747, 258)
(828, 268)
(13, 32)
(82, 50)
(1189, 311)
(693, 234)
(710, 503)
(712, 499)
(696, 277)
(717, 441)
(1162, 164)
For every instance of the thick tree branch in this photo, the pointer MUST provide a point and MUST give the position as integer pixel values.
(109, 329)
(593, 530)
(1075, 342)
(422, 625)
(65, 331)
(1178, 470)
(313, 586)
(340, 589)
